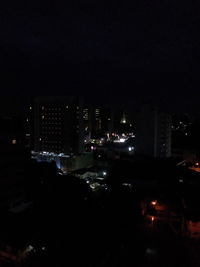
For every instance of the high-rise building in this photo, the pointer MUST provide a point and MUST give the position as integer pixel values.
(98, 120)
(153, 133)
(58, 125)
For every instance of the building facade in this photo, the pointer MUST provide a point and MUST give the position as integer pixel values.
(58, 125)
(153, 133)
(98, 120)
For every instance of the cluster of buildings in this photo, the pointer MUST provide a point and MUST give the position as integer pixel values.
(64, 127)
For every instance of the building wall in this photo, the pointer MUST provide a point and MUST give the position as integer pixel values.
(58, 123)
(153, 133)
(98, 120)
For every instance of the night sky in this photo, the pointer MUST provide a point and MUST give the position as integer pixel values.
(118, 53)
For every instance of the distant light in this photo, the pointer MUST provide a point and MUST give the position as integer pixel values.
(152, 218)
(104, 173)
(30, 108)
(154, 203)
(186, 134)
(127, 185)
(180, 180)
(121, 140)
(130, 148)
(14, 141)
(29, 249)
(151, 251)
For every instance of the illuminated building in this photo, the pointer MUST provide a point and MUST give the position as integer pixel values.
(58, 125)
(98, 120)
(153, 133)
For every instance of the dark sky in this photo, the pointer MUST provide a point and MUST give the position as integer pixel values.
(126, 52)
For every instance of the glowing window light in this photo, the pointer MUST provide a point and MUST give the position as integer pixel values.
(14, 141)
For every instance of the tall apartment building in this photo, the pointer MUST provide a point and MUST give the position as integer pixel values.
(58, 125)
(153, 133)
(98, 119)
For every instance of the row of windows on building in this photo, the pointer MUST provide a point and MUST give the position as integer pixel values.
(51, 133)
(58, 108)
(51, 127)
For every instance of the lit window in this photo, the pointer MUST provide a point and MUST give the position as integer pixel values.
(14, 141)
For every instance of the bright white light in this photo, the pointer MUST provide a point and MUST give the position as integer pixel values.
(121, 140)
(29, 249)
(104, 173)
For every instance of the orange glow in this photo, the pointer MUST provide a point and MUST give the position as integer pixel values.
(152, 218)
(154, 203)
(14, 142)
